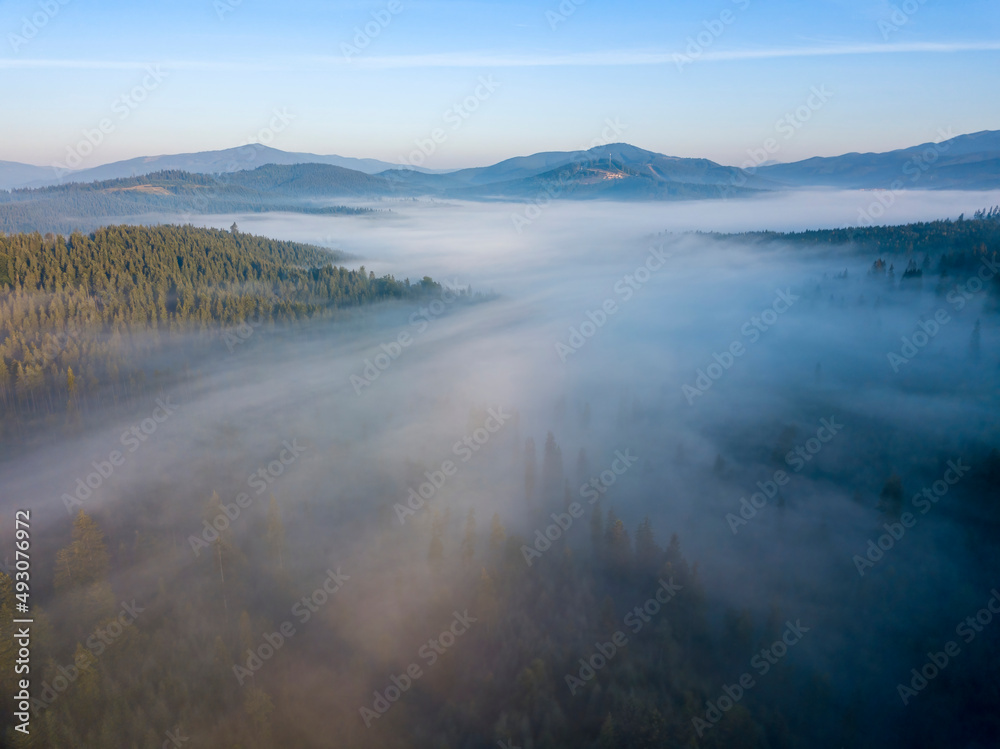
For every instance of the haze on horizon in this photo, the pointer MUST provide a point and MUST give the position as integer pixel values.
(560, 72)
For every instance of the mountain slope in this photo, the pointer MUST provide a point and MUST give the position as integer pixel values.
(77, 206)
(963, 162)
(603, 178)
(312, 180)
(14, 174)
(204, 162)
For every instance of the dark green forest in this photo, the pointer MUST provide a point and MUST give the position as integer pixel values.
(961, 241)
(77, 313)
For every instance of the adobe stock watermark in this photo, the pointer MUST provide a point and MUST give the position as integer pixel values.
(752, 329)
(796, 459)
(937, 662)
(224, 7)
(102, 638)
(463, 449)
(555, 187)
(303, 610)
(958, 296)
(454, 116)
(132, 438)
(894, 531)
(280, 120)
(429, 652)
(563, 521)
(915, 168)
(704, 39)
(391, 351)
(174, 738)
(899, 17)
(246, 157)
(625, 289)
(123, 106)
(787, 126)
(363, 35)
(239, 334)
(260, 480)
(761, 663)
(635, 620)
(32, 25)
(562, 13)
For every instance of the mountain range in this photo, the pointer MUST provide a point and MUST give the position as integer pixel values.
(969, 161)
(258, 178)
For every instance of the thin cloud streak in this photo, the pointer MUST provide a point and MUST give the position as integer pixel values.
(463, 59)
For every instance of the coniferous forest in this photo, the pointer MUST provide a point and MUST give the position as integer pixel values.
(548, 375)
(82, 314)
(284, 503)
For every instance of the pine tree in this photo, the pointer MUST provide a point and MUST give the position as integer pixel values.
(436, 551)
(552, 470)
(530, 468)
(647, 552)
(497, 534)
(85, 561)
(275, 534)
(469, 537)
(582, 466)
(597, 530)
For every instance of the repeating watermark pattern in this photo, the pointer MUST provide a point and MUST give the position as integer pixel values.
(635, 620)
(761, 663)
(918, 340)
(302, 611)
(899, 17)
(260, 480)
(714, 28)
(239, 334)
(102, 638)
(32, 25)
(132, 438)
(463, 449)
(796, 460)
(123, 106)
(454, 116)
(937, 662)
(280, 119)
(429, 653)
(560, 15)
(625, 289)
(363, 35)
(224, 7)
(752, 329)
(245, 158)
(958, 296)
(555, 187)
(787, 126)
(915, 168)
(175, 738)
(894, 531)
(391, 351)
(563, 521)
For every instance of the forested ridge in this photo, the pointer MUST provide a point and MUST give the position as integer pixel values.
(75, 311)
(77, 205)
(967, 237)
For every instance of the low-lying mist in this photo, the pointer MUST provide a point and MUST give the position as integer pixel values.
(776, 406)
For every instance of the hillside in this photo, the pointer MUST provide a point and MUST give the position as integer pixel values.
(77, 311)
(85, 206)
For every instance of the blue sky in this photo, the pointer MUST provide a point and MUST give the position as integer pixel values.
(897, 74)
